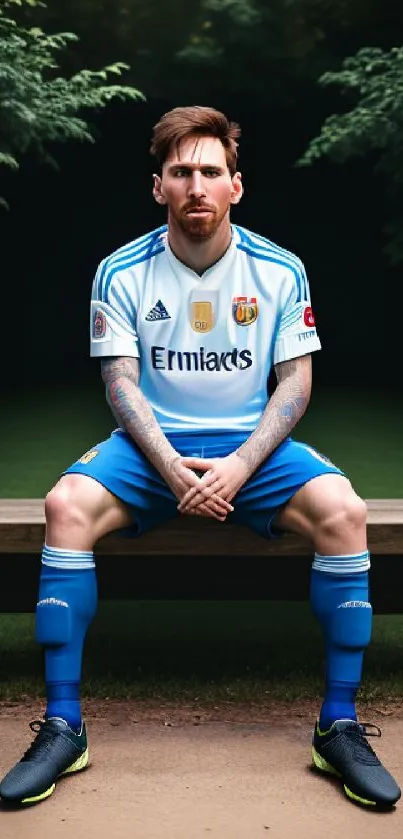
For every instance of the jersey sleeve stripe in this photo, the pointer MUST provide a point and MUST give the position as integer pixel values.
(116, 259)
(267, 257)
(260, 242)
(123, 304)
(117, 262)
(125, 265)
(256, 240)
(289, 321)
(121, 254)
(125, 253)
(260, 245)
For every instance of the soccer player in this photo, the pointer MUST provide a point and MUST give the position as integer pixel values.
(188, 321)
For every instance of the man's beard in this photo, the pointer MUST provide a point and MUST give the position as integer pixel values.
(199, 229)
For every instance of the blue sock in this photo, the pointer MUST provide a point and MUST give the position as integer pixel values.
(66, 606)
(339, 599)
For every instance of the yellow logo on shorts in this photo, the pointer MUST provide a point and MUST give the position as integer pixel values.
(88, 456)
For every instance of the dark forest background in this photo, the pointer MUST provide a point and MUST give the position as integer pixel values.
(260, 62)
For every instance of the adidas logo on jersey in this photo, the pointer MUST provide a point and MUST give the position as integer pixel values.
(158, 312)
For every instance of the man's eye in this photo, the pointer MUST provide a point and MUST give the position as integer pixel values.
(187, 173)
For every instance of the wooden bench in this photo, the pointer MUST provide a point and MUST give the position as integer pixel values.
(194, 558)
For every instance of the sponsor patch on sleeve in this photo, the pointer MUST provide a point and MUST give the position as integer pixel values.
(99, 324)
(309, 319)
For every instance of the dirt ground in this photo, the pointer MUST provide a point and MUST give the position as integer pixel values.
(162, 771)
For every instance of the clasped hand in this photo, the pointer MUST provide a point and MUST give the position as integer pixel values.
(211, 493)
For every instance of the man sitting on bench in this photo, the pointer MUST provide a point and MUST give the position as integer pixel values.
(188, 321)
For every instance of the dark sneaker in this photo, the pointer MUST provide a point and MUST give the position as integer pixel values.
(344, 751)
(57, 750)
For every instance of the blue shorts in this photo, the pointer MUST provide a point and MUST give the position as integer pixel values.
(120, 466)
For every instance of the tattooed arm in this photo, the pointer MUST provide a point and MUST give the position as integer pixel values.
(134, 414)
(284, 409)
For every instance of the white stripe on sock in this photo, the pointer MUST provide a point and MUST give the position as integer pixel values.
(348, 564)
(73, 560)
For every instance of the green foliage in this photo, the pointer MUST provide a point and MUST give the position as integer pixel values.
(38, 105)
(146, 34)
(372, 82)
(267, 52)
(181, 51)
(206, 44)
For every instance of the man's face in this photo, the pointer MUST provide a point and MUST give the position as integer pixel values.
(197, 187)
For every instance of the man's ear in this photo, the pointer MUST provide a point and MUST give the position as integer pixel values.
(237, 188)
(157, 193)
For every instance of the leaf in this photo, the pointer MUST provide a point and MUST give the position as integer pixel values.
(372, 124)
(8, 160)
(38, 106)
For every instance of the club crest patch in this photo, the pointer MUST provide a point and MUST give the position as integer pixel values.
(244, 310)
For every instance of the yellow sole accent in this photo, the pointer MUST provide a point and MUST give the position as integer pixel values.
(40, 797)
(77, 766)
(324, 766)
(357, 798)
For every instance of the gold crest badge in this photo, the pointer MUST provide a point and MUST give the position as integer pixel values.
(244, 310)
(88, 456)
(202, 315)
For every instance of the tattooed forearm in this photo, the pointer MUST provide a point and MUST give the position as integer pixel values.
(285, 407)
(132, 411)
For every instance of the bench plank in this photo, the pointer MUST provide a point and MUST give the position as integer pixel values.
(22, 527)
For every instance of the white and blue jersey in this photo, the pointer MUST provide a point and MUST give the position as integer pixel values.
(206, 344)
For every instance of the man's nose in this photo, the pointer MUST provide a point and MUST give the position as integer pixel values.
(196, 186)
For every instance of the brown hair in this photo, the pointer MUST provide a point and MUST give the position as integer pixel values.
(195, 119)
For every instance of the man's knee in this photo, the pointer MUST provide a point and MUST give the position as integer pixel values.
(81, 510)
(347, 512)
(62, 505)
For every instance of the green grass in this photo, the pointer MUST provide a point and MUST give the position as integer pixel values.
(42, 434)
(213, 650)
(360, 431)
(232, 651)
